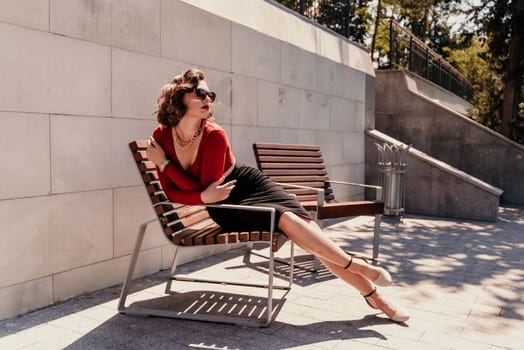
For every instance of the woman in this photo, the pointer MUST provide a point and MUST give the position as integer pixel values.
(196, 166)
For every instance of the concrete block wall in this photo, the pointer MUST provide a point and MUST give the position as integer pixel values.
(80, 80)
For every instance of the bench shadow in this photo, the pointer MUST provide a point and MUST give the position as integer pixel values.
(216, 303)
(305, 273)
(482, 255)
(137, 332)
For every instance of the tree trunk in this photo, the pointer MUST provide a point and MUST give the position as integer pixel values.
(514, 70)
(377, 19)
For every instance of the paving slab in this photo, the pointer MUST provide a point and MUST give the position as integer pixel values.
(462, 282)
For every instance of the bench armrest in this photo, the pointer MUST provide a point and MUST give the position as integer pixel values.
(235, 206)
(378, 189)
(243, 207)
(319, 191)
(226, 206)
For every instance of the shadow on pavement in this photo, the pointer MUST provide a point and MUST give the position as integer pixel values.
(123, 332)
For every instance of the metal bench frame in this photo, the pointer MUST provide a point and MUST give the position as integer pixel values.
(301, 171)
(189, 227)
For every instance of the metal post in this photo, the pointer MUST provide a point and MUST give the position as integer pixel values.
(410, 56)
(427, 63)
(132, 265)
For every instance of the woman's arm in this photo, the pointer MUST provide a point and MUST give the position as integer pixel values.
(182, 187)
(215, 192)
(184, 181)
(213, 168)
(213, 157)
(176, 195)
(186, 189)
(156, 153)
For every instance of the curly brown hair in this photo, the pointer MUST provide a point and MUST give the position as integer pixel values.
(170, 103)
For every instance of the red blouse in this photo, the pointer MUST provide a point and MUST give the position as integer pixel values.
(214, 157)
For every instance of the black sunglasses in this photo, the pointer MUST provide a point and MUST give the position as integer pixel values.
(202, 94)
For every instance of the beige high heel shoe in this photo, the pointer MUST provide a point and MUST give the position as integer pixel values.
(375, 301)
(384, 278)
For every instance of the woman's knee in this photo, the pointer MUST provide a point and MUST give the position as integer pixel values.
(286, 220)
(290, 220)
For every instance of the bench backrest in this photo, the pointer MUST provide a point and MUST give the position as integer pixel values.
(188, 225)
(179, 222)
(296, 164)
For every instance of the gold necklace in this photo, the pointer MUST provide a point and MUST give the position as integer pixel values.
(189, 143)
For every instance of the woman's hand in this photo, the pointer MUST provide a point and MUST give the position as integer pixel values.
(155, 153)
(217, 191)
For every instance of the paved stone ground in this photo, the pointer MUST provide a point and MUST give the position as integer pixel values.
(462, 281)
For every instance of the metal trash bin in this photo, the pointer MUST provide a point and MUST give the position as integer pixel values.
(392, 164)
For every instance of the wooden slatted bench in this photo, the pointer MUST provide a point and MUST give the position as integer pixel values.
(301, 170)
(187, 227)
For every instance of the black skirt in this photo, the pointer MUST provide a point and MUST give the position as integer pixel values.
(256, 189)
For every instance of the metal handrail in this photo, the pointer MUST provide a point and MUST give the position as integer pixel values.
(415, 55)
(408, 52)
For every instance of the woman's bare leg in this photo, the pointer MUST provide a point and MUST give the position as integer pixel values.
(360, 283)
(308, 235)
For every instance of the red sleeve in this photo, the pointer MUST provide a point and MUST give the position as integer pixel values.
(178, 185)
(174, 192)
(176, 195)
(183, 180)
(213, 157)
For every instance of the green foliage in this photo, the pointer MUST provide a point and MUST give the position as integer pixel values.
(482, 51)
(470, 55)
(425, 19)
(480, 48)
(349, 18)
(295, 4)
(500, 24)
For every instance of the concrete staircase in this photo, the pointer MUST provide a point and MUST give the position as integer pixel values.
(436, 123)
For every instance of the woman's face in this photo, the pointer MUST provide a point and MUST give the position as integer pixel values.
(199, 102)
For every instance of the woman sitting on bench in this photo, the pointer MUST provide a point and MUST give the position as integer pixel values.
(196, 166)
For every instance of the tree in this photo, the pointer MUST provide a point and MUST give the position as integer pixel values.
(514, 71)
(500, 22)
(494, 50)
(346, 17)
(299, 6)
(491, 56)
(378, 14)
(349, 18)
(470, 55)
(425, 19)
